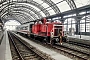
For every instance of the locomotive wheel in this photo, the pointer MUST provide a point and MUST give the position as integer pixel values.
(52, 42)
(45, 40)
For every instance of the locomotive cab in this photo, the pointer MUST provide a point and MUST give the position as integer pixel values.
(55, 30)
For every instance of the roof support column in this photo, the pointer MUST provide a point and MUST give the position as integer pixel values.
(78, 25)
(85, 23)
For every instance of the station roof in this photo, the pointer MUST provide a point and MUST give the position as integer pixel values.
(30, 10)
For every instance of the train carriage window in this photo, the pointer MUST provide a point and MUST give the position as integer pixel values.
(24, 28)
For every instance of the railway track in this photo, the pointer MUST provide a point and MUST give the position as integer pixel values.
(22, 51)
(70, 50)
(14, 52)
(73, 51)
(79, 44)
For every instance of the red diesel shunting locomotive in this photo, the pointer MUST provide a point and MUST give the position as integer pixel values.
(46, 30)
(43, 30)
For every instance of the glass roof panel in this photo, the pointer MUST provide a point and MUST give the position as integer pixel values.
(13, 0)
(38, 1)
(31, 6)
(43, 14)
(80, 3)
(63, 6)
(45, 5)
(56, 1)
(51, 12)
(0, 0)
(34, 8)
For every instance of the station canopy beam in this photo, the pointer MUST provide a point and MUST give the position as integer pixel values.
(31, 10)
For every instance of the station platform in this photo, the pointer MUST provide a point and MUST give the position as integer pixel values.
(84, 37)
(51, 53)
(5, 53)
(80, 39)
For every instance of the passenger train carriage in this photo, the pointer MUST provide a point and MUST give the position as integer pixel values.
(42, 30)
(25, 28)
